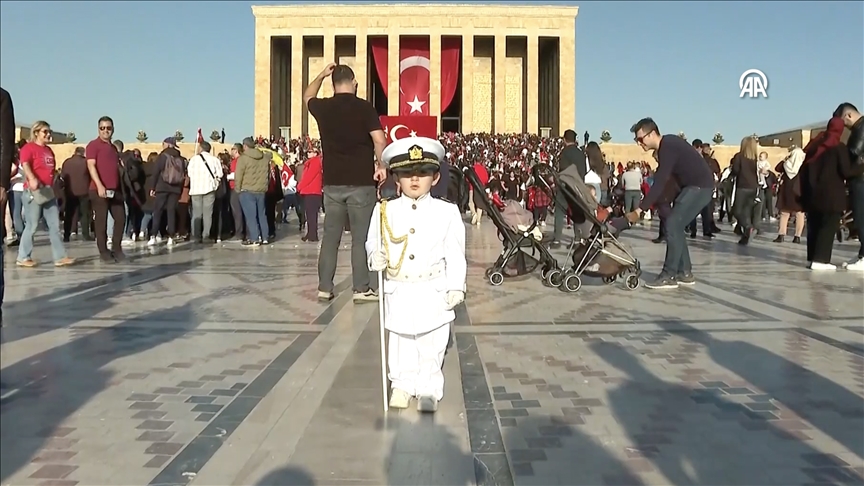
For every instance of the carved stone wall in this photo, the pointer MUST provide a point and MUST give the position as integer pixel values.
(514, 113)
(483, 89)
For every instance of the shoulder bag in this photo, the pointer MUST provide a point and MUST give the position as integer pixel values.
(220, 186)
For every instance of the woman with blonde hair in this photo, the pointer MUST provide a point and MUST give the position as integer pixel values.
(37, 164)
(789, 194)
(744, 170)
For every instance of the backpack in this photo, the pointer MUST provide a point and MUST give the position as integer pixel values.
(174, 172)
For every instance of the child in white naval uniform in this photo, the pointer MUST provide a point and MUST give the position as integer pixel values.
(418, 241)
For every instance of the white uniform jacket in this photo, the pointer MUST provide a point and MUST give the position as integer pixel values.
(434, 262)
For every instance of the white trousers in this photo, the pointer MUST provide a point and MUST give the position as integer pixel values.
(415, 362)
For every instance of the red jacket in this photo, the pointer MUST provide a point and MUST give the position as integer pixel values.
(311, 182)
(482, 174)
(232, 167)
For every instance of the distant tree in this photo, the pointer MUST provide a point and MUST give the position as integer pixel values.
(70, 137)
(605, 136)
(178, 136)
(142, 136)
(681, 134)
(215, 136)
(718, 138)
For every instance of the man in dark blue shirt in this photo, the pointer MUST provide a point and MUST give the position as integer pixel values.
(677, 160)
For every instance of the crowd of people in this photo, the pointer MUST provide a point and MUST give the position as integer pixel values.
(246, 194)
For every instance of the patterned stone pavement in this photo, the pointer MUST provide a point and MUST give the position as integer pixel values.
(217, 366)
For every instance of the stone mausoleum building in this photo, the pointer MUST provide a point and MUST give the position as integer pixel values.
(480, 68)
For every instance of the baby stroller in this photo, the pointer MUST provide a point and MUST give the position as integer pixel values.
(522, 253)
(595, 251)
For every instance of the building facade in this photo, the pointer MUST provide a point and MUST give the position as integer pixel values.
(516, 65)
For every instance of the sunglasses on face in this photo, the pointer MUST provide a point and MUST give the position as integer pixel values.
(106, 129)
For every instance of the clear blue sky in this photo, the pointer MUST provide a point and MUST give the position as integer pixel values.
(163, 66)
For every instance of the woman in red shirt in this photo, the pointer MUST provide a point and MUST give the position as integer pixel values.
(477, 209)
(311, 189)
(37, 163)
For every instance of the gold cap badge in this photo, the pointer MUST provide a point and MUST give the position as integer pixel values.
(415, 153)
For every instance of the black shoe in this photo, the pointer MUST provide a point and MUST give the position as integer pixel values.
(779, 239)
(693, 234)
(658, 240)
(250, 244)
(796, 240)
(744, 241)
(118, 255)
(15, 243)
(663, 282)
(685, 279)
(715, 229)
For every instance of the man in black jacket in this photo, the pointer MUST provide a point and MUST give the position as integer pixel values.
(855, 123)
(676, 161)
(570, 155)
(7, 152)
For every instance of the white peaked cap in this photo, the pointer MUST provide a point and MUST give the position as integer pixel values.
(410, 151)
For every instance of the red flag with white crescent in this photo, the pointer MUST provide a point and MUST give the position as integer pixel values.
(414, 76)
(200, 137)
(399, 127)
(285, 174)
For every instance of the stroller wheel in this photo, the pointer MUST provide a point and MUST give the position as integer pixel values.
(555, 278)
(609, 280)
(631, 282)
(496, 278)
(842, 234)
(572, 283)
(489, 272)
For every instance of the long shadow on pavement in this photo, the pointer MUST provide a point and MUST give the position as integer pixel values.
(56, 383)
(702, 436)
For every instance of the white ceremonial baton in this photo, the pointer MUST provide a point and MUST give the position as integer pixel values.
(381, 314)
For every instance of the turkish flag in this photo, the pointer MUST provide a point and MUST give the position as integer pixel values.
(399, 127)
(414, 76)
(285, 174)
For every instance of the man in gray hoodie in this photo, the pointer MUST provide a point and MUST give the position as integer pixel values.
(251, 179)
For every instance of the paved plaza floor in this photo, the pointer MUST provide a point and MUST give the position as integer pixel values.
(217, 366)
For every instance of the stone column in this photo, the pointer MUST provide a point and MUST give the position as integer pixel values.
(393, 73)
(360, 57)
(262, 84)
(329, 56)
(297, 85)
(567, 82)
(532, 57)
(500, 84)
(435, 74)
(468, 81)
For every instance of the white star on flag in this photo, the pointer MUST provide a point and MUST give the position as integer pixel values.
(416, 105)
(412, 133)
